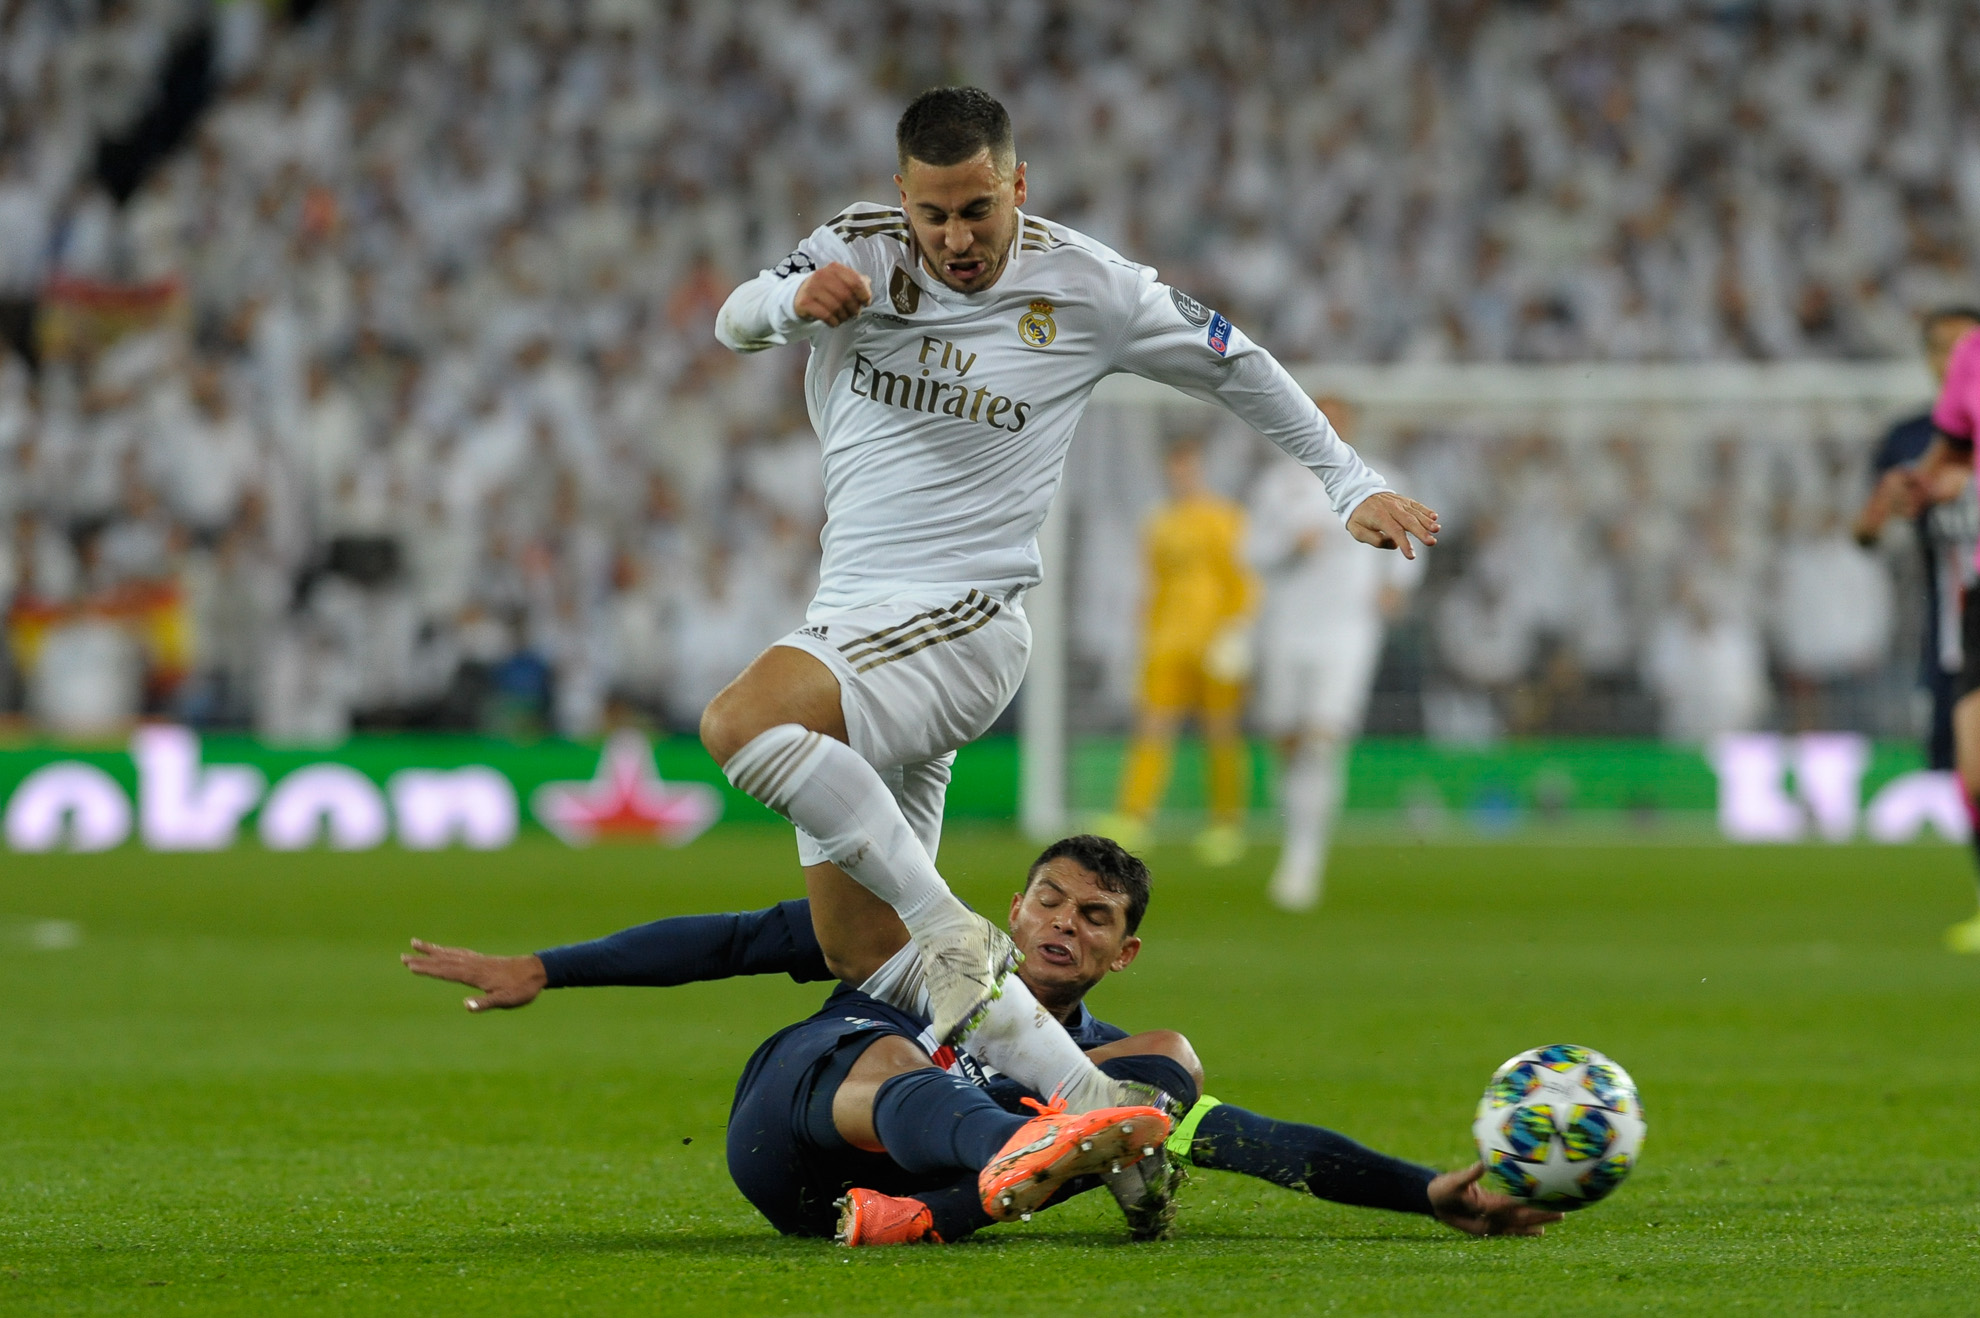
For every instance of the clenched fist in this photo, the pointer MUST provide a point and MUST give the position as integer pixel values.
(834, 294)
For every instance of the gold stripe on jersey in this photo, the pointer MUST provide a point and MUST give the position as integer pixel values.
(853, 213)
(896, 232)
(1037, 238)
(855, 224)
(934, 627)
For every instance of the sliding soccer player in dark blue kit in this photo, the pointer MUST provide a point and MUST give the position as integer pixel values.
(856, 1122)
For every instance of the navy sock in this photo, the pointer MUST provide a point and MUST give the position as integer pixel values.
(1165, 1073)
(932, 1121)
(1326, 1165)
(957, 1210)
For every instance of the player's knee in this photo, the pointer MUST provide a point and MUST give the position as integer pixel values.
(1176, 1047)
(727, 726)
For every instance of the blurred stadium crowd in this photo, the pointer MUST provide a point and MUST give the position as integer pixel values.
(386, 394)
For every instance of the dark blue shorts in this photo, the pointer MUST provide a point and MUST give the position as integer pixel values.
(784, 1153)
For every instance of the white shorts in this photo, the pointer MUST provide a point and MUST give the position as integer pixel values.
(1322, 688)
(918, 677)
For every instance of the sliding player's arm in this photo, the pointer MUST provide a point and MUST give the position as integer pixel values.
(686, 949)
(1173, 339)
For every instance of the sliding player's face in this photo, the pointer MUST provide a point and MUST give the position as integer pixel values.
(1072, 931)
(964, 217)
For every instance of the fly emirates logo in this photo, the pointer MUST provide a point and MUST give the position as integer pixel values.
(937, 383)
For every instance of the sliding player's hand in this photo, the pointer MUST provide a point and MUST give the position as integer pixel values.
(1458, 1202)
(1387, 521)
(834, 294)
(504, 981)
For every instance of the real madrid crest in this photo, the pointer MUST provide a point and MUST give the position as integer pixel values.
(1036, 326)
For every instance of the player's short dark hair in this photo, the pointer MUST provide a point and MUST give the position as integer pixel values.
(1938, 316)
(948, 125)
(1117, 869)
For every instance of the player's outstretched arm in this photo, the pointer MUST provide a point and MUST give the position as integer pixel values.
(1458, 1202)
(505, 981)
(1184, 344)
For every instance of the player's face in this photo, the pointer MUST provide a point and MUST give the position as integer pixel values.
(1072, 931)
(964, 217)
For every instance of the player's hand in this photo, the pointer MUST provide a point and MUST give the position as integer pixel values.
(1387, 521)
(1460, 1204)
(504, 981)
(834, 294)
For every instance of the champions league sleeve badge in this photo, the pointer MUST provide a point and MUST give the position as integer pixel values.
(1036, 326)
(1219, 337)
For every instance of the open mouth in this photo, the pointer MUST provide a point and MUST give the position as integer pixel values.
(963, 271)
(1057, 954)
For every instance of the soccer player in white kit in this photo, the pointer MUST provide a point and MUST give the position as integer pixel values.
(1319, 638)
(954, 343)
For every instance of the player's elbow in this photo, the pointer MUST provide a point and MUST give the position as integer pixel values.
(727, 334)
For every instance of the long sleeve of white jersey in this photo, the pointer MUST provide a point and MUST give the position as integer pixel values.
(759, 314)
(1171, 337)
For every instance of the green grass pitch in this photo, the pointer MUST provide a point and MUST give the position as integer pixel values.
(227, 1097)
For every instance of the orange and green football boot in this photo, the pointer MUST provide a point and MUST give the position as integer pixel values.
(1056, 1145)
(869, 1218)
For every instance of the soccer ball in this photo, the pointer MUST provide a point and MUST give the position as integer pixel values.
(1559, 1127)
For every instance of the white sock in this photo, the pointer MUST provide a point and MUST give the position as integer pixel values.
(1310, 795)
(1027, 1043)
(825, 788)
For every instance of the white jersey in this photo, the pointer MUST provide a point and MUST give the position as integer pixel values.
(945, 416)
(1313, 594)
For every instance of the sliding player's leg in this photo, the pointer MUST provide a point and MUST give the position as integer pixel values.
(850, 1098)
(929, 1121)
(1145, 1189)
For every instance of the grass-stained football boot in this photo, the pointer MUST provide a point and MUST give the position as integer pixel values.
(1057, 1145)
(869, 1218)
(1146, 1193)
(964, 973)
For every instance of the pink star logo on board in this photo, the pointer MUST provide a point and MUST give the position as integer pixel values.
(627, 800)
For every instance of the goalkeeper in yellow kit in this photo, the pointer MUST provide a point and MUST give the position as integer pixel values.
(1196, 654)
